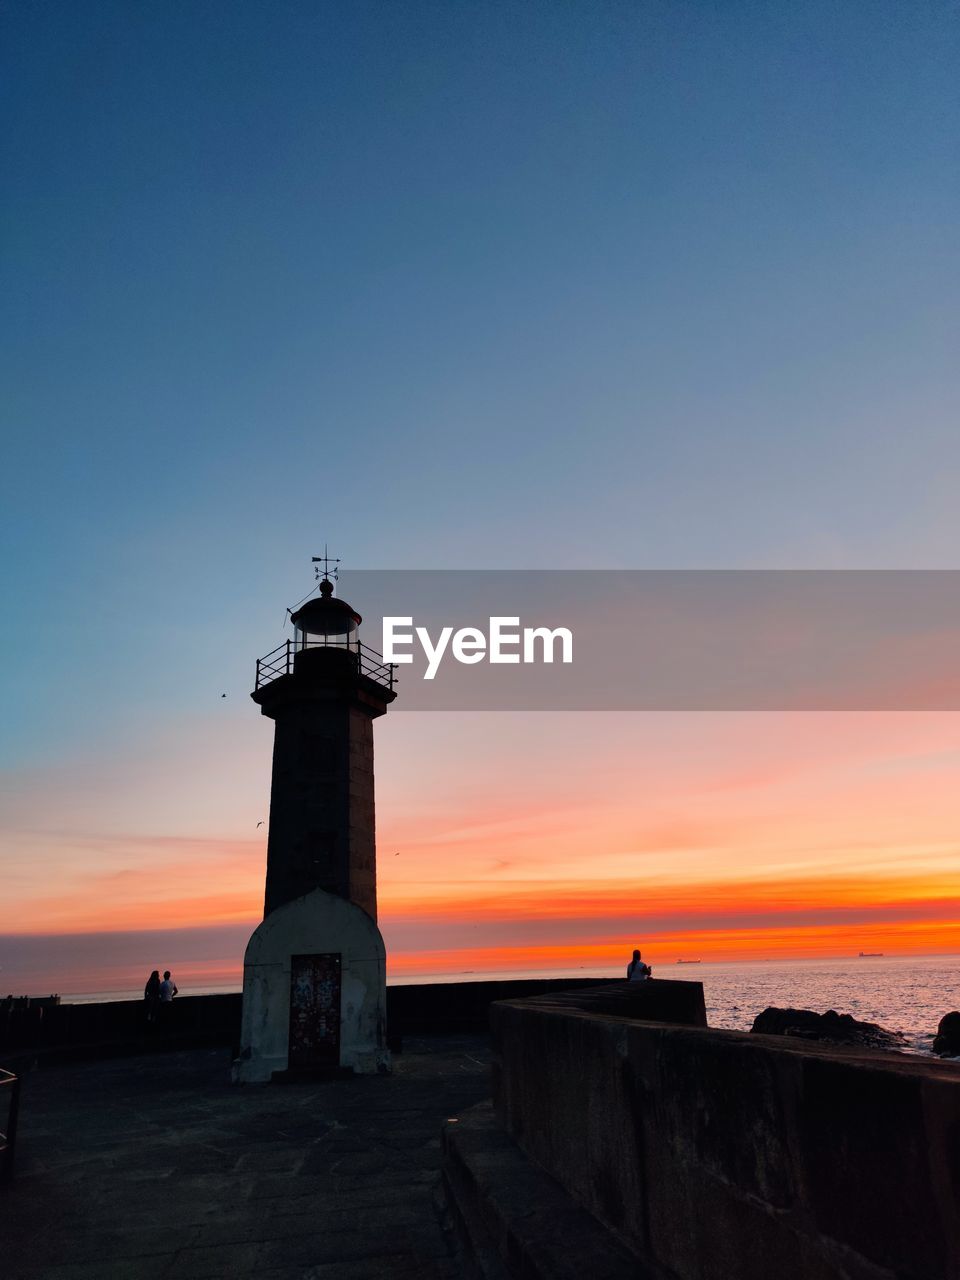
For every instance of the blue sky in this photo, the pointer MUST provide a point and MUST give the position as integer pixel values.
(452, 284)
(460, 284)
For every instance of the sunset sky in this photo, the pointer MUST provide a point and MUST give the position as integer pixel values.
(458, 286)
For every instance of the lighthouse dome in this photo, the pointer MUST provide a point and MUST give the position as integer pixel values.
(326, 615)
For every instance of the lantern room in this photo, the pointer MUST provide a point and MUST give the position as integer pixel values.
(325, 622)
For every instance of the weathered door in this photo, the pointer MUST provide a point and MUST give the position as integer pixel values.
(314, 1011)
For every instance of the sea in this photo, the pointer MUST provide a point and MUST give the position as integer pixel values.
(903, 993)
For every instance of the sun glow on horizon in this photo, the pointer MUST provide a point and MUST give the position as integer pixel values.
(728, 837)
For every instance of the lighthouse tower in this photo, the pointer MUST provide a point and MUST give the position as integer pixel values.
(314, 986)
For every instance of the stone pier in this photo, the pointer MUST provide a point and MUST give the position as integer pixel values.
(140, 1168)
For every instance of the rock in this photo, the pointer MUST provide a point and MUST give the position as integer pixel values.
(837, 1028)
(947, 1042)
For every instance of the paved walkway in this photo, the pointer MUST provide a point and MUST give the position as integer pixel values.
(157, 1166)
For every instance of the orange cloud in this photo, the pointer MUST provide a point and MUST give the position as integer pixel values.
(532, 841)
(610, 954)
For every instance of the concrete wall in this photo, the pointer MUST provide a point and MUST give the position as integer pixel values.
(316, 923)
(70, 1031)
(719, 1155)
(119, 1026)
(441, 1008)
(657, 1000)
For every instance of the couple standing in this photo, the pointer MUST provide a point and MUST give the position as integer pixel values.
(157, 993)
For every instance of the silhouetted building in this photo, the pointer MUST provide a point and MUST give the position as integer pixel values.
(314, 970)
(323, 697)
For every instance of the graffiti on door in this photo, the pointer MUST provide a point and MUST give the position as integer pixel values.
(315, 1011)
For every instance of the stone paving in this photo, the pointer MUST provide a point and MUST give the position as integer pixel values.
(157, 1166)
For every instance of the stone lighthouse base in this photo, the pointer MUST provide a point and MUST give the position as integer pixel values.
(314, 991)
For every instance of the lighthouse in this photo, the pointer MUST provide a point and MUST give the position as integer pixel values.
(314, 974)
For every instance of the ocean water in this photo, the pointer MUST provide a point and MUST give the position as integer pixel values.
(904, 993)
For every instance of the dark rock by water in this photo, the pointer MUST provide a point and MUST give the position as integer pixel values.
(947, 1042)
(840, 1028)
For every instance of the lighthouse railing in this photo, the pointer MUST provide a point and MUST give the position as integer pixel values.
(279, 662)
(373, 666)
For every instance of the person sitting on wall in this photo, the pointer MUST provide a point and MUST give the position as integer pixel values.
(637, 971)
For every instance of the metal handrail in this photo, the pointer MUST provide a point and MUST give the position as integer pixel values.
(8, 1140)
(279, 662)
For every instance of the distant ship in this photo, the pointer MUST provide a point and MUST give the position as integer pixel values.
(869, 955)
(689, 962)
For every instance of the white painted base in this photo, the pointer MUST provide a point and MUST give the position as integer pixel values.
(316, 923)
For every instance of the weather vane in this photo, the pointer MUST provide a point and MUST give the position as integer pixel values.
(327, 561)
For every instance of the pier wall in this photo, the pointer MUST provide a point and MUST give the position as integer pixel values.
(721, 1155)
(40, 1029)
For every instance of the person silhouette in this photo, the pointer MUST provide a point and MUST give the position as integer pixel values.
(168, 989)
(637, 971)
(151, 995)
